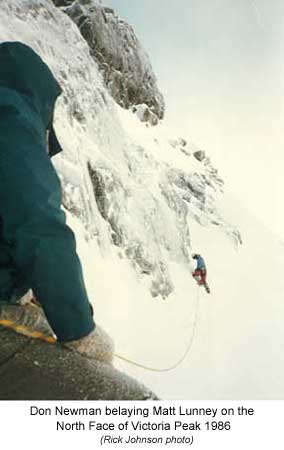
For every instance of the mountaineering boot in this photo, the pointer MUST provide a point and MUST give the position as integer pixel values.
(207, 288)
(96, 345)
(28, 320)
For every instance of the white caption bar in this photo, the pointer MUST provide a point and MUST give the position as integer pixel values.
(166, 424)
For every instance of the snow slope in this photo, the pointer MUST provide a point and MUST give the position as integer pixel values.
(237, 352)
(140, 203)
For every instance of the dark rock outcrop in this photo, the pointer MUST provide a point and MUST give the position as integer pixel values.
(61, 3)
(199, 155)
(123, 62)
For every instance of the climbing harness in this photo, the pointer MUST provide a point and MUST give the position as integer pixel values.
(179, 361)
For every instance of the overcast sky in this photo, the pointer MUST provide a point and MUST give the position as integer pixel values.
(220, 66)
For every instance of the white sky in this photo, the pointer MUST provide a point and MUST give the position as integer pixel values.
(220, 66)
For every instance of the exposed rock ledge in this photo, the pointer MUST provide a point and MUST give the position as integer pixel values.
(33, 370)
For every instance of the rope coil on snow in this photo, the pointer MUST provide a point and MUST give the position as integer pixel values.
(177, 363)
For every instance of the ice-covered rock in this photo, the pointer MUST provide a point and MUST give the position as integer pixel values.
(130, 186)
(144, 113)
(123, 62)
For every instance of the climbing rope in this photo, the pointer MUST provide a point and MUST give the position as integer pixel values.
(179, 361)
(52, 340)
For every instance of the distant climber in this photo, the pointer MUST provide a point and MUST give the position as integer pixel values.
(37, 248)
(200, 273)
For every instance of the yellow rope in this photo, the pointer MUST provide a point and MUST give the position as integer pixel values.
(52, 340)
(177, 363)
(27, 331)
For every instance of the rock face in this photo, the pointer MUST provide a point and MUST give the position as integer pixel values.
(132, 189)
(33, 370)
(124, 64)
